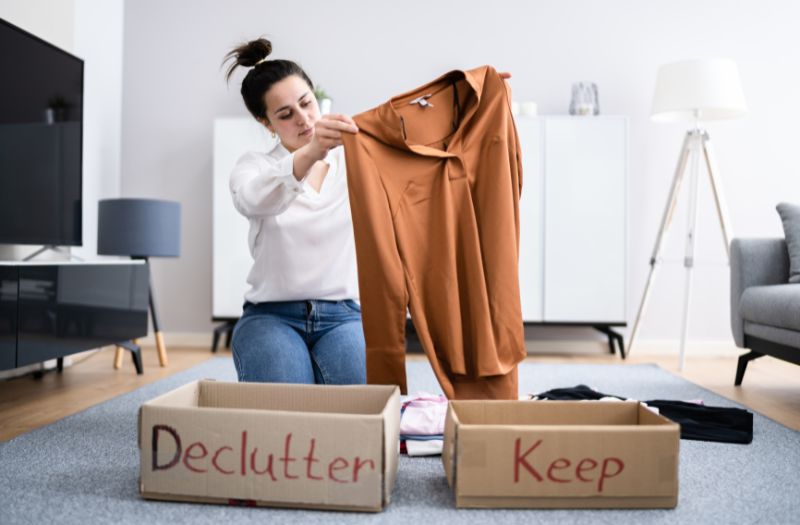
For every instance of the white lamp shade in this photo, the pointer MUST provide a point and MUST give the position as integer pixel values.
(706, 89)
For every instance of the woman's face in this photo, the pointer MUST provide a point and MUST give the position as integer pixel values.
(292, 111)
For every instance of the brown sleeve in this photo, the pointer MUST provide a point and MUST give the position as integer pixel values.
(381, 280)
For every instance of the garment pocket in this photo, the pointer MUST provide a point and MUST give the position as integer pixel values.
(352, 305)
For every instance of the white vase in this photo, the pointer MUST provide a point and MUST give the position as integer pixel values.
(325, 106)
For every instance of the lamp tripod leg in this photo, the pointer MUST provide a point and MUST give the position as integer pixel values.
(716, 189)
(162, 349)
(666, 220)
(120, 353)
(691, 239)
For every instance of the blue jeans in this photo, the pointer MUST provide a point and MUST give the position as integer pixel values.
(300, 342)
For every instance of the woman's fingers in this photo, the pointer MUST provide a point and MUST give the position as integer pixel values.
(338, 122)
(329, 128)
(328, 138)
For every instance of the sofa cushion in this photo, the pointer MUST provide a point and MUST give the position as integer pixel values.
(790, 217)
(776, 335)
(774, 305)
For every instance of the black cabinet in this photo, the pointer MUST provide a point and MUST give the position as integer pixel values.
(9, 292)
(56, 309)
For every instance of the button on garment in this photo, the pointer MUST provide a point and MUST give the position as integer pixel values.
(434, 192)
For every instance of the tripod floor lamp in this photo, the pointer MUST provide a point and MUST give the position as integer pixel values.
(140, 229)
(692, 91)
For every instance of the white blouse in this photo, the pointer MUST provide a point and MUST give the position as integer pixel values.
(301, 240)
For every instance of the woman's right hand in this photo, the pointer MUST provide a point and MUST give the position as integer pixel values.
(328, 133)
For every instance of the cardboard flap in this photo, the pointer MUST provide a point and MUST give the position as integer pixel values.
(450, 443)
(186, 395)
(347, 399)
(391, 443)
(547, 412)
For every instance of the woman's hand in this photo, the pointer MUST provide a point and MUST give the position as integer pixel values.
(328, 133)
(505, 76)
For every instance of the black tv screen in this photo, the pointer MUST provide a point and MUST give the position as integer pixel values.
(41, 124)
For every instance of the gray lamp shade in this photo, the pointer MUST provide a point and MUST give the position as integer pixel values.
(139, 228)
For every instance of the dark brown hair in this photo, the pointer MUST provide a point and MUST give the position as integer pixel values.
(262, 75)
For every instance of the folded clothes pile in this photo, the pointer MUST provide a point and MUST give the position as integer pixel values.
(422, 424)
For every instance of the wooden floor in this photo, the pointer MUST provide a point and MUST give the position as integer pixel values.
(771, 387)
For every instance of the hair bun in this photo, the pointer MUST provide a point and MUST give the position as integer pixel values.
(248, 54)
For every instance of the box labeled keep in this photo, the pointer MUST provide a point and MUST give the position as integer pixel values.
(560, 454)
(306, 446)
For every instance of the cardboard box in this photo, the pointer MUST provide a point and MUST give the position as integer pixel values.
(560, 454)
(308, 446)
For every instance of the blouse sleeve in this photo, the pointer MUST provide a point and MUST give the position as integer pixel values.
(262, 186)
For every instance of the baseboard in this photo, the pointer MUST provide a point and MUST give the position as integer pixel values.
(652, 347)
(186, 339)
(693, 348)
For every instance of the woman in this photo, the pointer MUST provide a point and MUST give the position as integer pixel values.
(301, 322)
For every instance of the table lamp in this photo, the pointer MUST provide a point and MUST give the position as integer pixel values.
(692, 91)
(140, 229)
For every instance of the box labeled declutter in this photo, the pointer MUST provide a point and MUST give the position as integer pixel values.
(308, 446)
(560, 454)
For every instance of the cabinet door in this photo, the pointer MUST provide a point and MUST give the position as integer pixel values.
(9, 293)
(531, 217)
(68, 308)
(585, 207)
(231, 260)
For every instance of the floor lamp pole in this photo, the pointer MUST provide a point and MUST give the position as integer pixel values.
(695, 144)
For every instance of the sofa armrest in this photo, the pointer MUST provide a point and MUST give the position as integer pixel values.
(754, 262)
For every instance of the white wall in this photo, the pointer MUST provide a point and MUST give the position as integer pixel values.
(47, 19)
(363, 52)
(98, 40)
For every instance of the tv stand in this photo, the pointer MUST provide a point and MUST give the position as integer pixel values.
(53, 247)
(53, 309)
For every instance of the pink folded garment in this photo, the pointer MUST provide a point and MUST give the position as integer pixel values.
(424, 415)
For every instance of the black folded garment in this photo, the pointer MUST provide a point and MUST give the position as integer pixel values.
(574, 393)
(708, 423)
(698, 422)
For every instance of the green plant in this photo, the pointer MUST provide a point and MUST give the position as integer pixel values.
(320, 93)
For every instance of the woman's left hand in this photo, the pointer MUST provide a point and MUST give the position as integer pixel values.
(505, 75)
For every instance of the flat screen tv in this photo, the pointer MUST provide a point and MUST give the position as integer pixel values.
(41, 125)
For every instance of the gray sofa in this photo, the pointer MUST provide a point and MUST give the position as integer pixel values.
(765, 308)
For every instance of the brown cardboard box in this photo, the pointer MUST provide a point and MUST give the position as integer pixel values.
(309, 446)
(560, 454)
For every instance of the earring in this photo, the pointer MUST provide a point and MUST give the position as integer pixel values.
(273, 134)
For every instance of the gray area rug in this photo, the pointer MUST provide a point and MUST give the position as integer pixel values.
(84, 468)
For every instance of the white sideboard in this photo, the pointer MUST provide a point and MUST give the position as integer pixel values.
(231, 259)
(573, 227)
